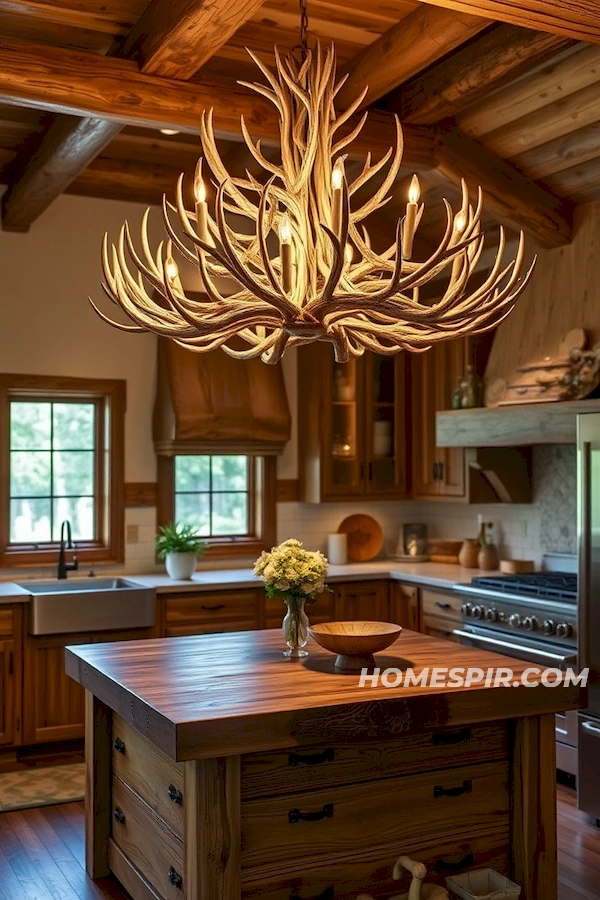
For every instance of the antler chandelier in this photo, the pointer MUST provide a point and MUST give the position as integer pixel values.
(306, 271)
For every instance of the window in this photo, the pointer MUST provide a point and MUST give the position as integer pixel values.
(214, 494)
(62, 449)
(229, 498)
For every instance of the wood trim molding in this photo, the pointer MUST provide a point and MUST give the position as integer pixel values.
(288, 490)
(140, 493)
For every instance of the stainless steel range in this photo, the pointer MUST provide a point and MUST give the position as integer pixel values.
(532, 617)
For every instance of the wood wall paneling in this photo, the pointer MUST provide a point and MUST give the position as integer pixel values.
(563, 294)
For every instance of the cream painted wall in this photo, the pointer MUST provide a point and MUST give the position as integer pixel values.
(48, 326)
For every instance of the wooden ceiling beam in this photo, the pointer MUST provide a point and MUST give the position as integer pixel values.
(86, 84)
(407, 48)
(577, 19)
(508, 194)
(503, 54)
(188, 32)
(174, 40)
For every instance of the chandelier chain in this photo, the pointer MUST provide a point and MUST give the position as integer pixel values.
(303, 27)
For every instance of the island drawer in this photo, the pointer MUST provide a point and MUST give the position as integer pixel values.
(146, 770)
(334, 822)
(147, 842)
(454, 852)
(286, 771)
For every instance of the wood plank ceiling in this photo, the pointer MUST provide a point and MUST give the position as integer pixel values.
(505, 93)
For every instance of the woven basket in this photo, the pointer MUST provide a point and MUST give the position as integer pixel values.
(483, 884)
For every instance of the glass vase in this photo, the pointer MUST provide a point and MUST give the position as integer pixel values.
(295, 628)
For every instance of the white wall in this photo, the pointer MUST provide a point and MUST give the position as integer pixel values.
(48, 326)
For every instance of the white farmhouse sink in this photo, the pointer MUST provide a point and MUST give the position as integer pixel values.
(65, 606)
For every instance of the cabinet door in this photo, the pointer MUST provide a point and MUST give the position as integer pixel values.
(424, 451)
(362, 601)
(437, 471)
(450, 365)
(7, 692)
(54, 707)
(343, 447)
(385, 425)
(404, 605)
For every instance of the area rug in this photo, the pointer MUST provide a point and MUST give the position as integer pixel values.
(43, 786)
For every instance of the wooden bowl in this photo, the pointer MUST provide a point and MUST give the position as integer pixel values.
(355, 642)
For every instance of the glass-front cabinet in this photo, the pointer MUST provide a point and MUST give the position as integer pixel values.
(352, 426)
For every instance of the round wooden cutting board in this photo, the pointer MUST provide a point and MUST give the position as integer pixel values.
(365, 537)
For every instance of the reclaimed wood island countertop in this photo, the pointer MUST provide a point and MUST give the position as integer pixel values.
(233, 772)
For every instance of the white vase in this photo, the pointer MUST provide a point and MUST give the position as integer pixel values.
(180, 566)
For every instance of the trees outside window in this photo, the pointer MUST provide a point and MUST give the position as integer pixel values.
(61, 450)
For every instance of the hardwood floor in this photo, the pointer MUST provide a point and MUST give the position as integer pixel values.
(42, 855)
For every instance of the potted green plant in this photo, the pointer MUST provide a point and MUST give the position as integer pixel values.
(180, 546)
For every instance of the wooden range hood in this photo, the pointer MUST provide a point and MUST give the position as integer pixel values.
(518, 425)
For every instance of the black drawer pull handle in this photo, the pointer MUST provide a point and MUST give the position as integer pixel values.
(452, 737)
(442, 865)
(212, 607)
(119, 815)
(465, 788)
(295, 815)
(175, 878)
(311, 759)
(119, 745)
(175, 794)
(442, 605)
(327, 894)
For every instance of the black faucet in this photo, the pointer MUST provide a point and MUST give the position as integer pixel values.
(63, 565)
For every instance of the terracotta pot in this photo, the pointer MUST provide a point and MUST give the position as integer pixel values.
(468, 554)
(488, 557)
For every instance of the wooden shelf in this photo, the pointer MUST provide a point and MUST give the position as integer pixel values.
(519, 425)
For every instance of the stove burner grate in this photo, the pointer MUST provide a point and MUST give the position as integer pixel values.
(558, 585)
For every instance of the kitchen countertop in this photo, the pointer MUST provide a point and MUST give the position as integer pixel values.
(428, 574)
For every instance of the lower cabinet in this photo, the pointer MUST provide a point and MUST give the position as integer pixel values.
(362, 601)
(10, 675)
(54, 704)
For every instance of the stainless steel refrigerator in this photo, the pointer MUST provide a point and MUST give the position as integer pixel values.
(588, 646)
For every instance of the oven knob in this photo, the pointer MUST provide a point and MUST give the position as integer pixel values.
(530, 623)
(492, 614)
(563, 629)
(466, 609)
(515, 621)
(549, 626)
(478, 612)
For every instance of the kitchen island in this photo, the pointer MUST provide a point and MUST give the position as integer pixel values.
(218, 770)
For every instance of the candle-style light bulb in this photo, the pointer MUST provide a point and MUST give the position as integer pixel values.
(337, 181)
(201, 209)
(408, 233)
(348, 254)
(414, 191)
(285, 252)
(172, 273)
(460, 223)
